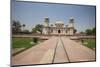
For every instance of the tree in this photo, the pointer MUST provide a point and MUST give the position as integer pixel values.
(38, 28)
(82, 32)
(34, 30)
(88, 31)
(91, 31)
(26, 32)
(94, 30)
(75, 30)
(16, 27)
(35, 40)
(23, 26)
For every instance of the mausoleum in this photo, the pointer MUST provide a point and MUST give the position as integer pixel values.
(59, 27)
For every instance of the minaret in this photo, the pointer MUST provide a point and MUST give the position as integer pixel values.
(71, 22)
(46, 26)
(46, 21)
(71, 26)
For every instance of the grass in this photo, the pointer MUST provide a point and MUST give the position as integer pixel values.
(21, 42)
(90, 43)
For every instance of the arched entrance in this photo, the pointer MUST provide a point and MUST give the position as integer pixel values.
(59, 31)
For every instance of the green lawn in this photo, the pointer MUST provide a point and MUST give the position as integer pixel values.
(89, 43)
(21, 42)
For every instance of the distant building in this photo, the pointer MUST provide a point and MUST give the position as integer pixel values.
(58, 27)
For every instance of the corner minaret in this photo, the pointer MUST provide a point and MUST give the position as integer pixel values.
(46, 26)
(71, 26)
(46, 22)
(71, 22)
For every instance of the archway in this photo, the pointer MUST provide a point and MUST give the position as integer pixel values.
(59, 31)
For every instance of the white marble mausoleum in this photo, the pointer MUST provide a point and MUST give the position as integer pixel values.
(59, 27)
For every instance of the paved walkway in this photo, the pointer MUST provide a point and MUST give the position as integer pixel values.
(54, 50)
(78, 52)
(60, 53)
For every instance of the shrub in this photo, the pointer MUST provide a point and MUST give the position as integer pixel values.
(35, 40)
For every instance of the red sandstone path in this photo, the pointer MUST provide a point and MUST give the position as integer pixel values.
(55, 50)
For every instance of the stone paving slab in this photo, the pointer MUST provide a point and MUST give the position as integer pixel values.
(78, 52)
(48, 57)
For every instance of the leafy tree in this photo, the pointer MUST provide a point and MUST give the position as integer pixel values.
(91, 31)
(35, 40)
(88, 31)
(75, 30)
(94, 30)
(23, 26)
(34, 30)
(16, 27)
(26, 32)
(38, 28)
(82, 32)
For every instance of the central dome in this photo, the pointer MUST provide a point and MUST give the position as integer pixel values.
(59, 22)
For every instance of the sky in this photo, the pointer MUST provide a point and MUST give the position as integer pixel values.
(32, 13)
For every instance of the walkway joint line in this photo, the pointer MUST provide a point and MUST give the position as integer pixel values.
(65, 50)
(55, 51)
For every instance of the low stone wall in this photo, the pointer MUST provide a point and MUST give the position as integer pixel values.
(82, 37)
(32, 36)
(86, 37)
(48, 36)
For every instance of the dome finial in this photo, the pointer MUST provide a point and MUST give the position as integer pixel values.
(71, 17)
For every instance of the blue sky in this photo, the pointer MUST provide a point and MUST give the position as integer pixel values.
(31, 13)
